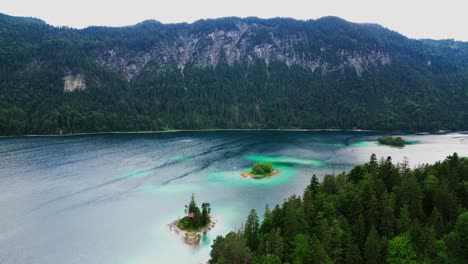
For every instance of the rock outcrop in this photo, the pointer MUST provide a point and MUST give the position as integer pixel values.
(192, 238)
(244, 42)
(74, 83)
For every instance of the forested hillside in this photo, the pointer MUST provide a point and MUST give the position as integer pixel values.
(379, 212)
(227, 73)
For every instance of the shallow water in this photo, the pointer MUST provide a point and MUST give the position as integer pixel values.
(109, 198)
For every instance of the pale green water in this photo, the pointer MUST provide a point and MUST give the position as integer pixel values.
(285, 160)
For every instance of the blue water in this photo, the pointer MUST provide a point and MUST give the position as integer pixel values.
(109, 198)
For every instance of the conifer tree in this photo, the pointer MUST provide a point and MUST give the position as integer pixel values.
(372, 248)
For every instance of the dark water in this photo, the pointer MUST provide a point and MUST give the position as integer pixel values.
(109, 198)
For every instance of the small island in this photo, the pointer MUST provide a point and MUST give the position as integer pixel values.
(391, 141)
(195, 222)
(260, 170)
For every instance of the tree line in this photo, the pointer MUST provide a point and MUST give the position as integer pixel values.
(379, 212)
(424, 87)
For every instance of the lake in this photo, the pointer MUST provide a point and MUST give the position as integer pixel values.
(108, 198)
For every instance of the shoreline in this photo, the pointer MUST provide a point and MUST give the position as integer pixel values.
(237, 129)
(192, 238)
(248, 175)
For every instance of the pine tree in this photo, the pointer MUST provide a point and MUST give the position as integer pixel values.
(352, 254)
(317, 252)
(457, 240)
(401, 251)
(389, 174)
(372, 165)
(205, 216)
(309, 207)
(272, 243)
(404, 222)
(372, 248)
(251, 230)
(436, 222)
(388, 217)
(301, 250)
(359, 231)
(410, 194)
(373, 213)
(266, 224)
(314, 185)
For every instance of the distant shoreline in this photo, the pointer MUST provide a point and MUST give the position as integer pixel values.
(231, 129)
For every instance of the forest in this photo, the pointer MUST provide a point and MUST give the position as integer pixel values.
(280, 73)
(379, 212)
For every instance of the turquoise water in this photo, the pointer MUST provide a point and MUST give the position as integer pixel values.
(234, 178)
(178, 158)
(412, 142)
(285, 160)
(364, 144)
(110, 198)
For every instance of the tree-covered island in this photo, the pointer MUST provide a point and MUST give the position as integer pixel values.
(195, 222)
(391, 141)
(260, 170)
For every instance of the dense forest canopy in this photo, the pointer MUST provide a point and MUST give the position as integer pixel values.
(227, 73)
(379, 212)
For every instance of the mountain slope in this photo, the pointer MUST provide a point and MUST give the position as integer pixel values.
(227, 73)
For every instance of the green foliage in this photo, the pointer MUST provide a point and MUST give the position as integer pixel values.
(195, 218)
(372, 248)
(400, 251)
(457, 240)
(391, 141)
(405, 94)
(267, 259)
(373, 214)
(301, 250)
(262, 169)
(230, 249)
(251, 230)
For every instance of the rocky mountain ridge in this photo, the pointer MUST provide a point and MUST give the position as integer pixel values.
(227, 73)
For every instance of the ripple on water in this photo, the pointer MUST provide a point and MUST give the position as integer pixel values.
(336, 145)
(136, 174)
(178, 158)
(283, 160)
(170, 188)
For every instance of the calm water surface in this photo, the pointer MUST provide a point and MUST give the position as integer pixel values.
(109, 198)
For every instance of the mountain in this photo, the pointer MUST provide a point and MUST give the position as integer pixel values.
(227, 73)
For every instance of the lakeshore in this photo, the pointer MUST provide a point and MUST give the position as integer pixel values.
(192, 238)
(250, 175)
(88, 185)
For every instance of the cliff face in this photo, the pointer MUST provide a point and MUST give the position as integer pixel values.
(244, 43)
(74, 83)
